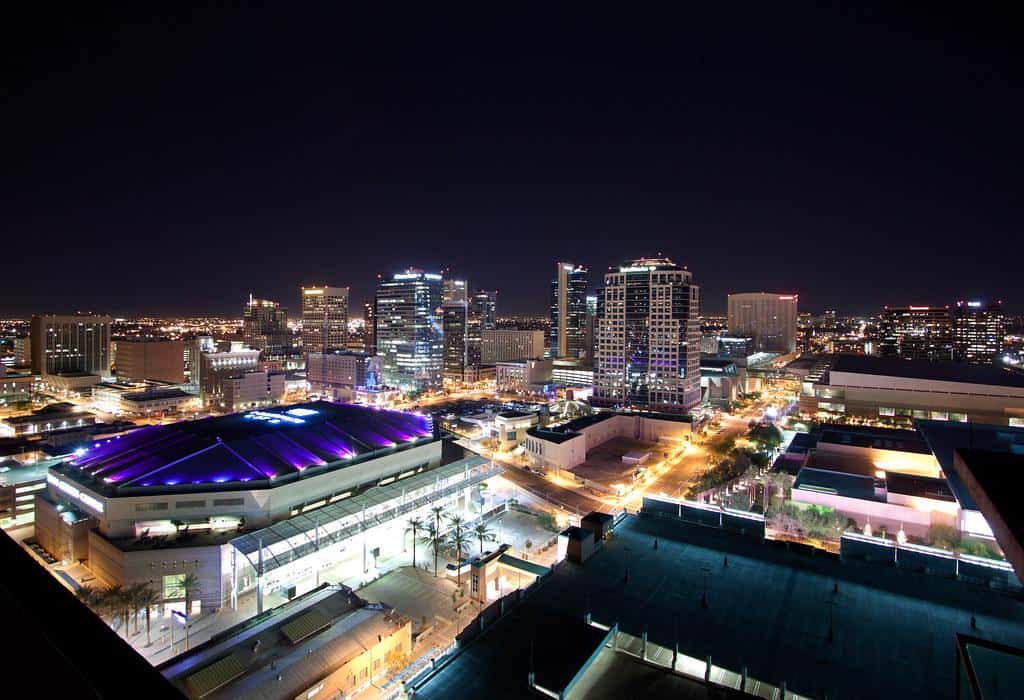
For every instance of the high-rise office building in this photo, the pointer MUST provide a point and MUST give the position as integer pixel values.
(456, 342)
(569, 311)
(63, 344)
(916, 333)
(409, 329)
(265, 325)
(770, 319)
(978, 332)
(453, 290)
(369, 327)
(484, 309)
(324, 318)
(648, 338)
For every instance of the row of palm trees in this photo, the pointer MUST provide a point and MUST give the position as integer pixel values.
(119, 605)
(459, 536)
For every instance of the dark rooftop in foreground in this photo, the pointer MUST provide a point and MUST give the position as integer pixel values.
(252, 448)
(923, 369)
(894, 630)
(994, 479)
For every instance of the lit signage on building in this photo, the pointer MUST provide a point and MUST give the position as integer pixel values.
(75, 493)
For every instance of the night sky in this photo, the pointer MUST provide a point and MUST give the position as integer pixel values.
(174, 163)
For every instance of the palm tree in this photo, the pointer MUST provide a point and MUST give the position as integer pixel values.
(146, 598)
(483, 534)
(438, 512)
(415, 525)
(112, 603)
(459, 538)
(188, 586)
(134, 599)
(89, 596)
(434, 539)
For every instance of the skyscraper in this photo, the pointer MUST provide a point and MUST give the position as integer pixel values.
(978, 331)
(569, 311)
(324, 318)
(456, 350)
(453, 290)
(409, 329)
(916, 333)
(770, 319)
(484, 308)
(265, 325)
(71, 343)
(370, 327)
(648, 348)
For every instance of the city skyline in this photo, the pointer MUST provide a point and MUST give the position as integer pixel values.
(619, 139)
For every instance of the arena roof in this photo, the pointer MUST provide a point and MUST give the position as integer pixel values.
(253, 446)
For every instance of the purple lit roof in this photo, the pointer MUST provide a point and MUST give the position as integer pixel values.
(251, 446)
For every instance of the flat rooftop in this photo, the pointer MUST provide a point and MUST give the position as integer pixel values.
(246, 449)
(923, 369)
(894, 630)
(877, 438)
(328, 628)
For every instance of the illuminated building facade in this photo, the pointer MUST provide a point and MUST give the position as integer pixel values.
(770, 319)
(154, 360)
(648, 346)
(569, 311)
(978, 332)
(409, 331)
(324, 318)
(265, 326)
(336, 374)
(269, 497)
(71, 344)
(916, 333)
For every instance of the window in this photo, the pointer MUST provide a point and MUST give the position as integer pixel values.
(190, 504)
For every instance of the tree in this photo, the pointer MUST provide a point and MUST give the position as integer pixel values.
(89, 596)
(483, 534)
(434, 539)
(459, 538)
(438, 513)
(187, 587)
(112, 603)
(147, 598)
(134, 599)
(415, 525)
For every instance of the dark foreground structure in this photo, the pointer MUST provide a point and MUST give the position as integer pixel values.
(63, 649)
(760, 613)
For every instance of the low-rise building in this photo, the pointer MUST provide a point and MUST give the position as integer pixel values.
(15, 387)
(524, 376)
(57, 416)
(334, 645)
(337, 374)
(564, 446)
(901, 391)
(252, 389)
